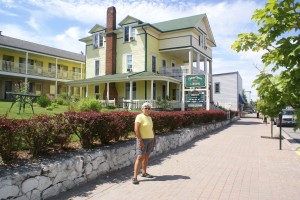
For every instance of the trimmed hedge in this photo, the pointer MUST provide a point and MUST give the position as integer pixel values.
(40, 132)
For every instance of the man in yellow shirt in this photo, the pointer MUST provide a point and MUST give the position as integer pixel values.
(145, 138)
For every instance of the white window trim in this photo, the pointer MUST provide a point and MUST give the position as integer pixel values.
(95, 67)
(98, 34)
(155, 63)
(216, 87)
(131, 37)
(127, 68)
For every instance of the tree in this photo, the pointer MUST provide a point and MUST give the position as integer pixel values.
(279, 38)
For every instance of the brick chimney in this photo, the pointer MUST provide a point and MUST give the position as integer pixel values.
(111, 41)
(111, 45)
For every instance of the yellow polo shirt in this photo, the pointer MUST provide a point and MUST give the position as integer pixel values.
(146, 126)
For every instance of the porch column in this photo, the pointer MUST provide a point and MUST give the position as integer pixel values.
(191, 61)
(205, 65)
(210, 81)
(87, 91)
(207, 84)
(81, 71)
(130, 95)
(56, 69)
(69, 90)
(107, 91)
(26, 66)
(152, 90)
(168, 89)
(198, 62)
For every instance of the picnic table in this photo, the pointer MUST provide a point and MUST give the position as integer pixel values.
(22, 99)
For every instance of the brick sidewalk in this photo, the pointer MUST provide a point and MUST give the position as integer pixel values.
(231, 163)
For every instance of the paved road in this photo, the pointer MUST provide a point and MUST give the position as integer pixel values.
(235, 162)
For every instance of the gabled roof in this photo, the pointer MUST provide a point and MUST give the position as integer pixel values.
(185, 23)
(129, 20)
(178, 24)
(124, 77)
(10, 42)
(96, 28)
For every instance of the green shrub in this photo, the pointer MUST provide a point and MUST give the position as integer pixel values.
(44, 101)
(87, 105)
(60, 101)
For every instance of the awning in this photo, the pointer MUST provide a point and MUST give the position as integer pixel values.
(241, 99)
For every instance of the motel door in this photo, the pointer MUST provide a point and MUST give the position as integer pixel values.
(8, 88)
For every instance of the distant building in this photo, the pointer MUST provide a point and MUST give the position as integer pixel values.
(227, 90)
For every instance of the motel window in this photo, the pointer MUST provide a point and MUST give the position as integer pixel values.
(127, 90)
(98, 40)
(153, 64)
(164, 66)
(217, 87)
(97, 92)
(51, 67)
(154, 91)
(129, 63)
(97, 67)
(129, 33)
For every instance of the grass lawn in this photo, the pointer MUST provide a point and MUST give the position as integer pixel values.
(14, 113)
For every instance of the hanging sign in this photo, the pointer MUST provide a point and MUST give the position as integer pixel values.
(195, 80)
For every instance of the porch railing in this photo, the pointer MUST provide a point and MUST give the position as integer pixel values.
(8, 66)
(176, 72)
(137, 104)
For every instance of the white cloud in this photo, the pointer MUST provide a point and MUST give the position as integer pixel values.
(32, 22)
(69, 40)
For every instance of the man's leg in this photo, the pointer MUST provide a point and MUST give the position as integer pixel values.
(137, 165)
(145, 163)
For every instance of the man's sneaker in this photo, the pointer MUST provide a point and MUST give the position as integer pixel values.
(135, 181)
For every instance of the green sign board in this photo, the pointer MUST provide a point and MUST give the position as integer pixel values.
(194, 97)
(195, 80)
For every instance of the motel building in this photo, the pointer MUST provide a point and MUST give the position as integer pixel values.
(138, 61)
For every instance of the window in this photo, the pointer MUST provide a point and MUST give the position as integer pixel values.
(173, 64)
(202, 40)
(153, 64)
(154, 90)
(97, 67)
(164, 65)
(127, 90)
(129, 34)
(51, 67)
(97, 92)
(217, 87)
(98, 40)
(163, 91)
(129, 63)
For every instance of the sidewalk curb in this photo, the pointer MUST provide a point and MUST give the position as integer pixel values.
(294, 145)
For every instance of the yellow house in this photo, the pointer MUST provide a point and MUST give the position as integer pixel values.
(139, 61)
(45, 69)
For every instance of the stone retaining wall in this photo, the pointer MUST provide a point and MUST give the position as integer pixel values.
(49, 178)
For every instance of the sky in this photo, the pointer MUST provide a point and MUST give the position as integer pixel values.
(61, 23)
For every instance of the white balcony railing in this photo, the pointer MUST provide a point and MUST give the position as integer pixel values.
(177, 72)
(7, 66)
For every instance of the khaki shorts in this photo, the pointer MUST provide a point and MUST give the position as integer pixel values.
(147, 148)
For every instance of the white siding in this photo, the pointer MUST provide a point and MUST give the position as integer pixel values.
(230, 87)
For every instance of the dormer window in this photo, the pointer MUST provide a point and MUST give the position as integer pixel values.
(98, 40)
(129, 34)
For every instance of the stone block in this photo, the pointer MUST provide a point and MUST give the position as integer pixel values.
(29, 184)
(9, 191)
